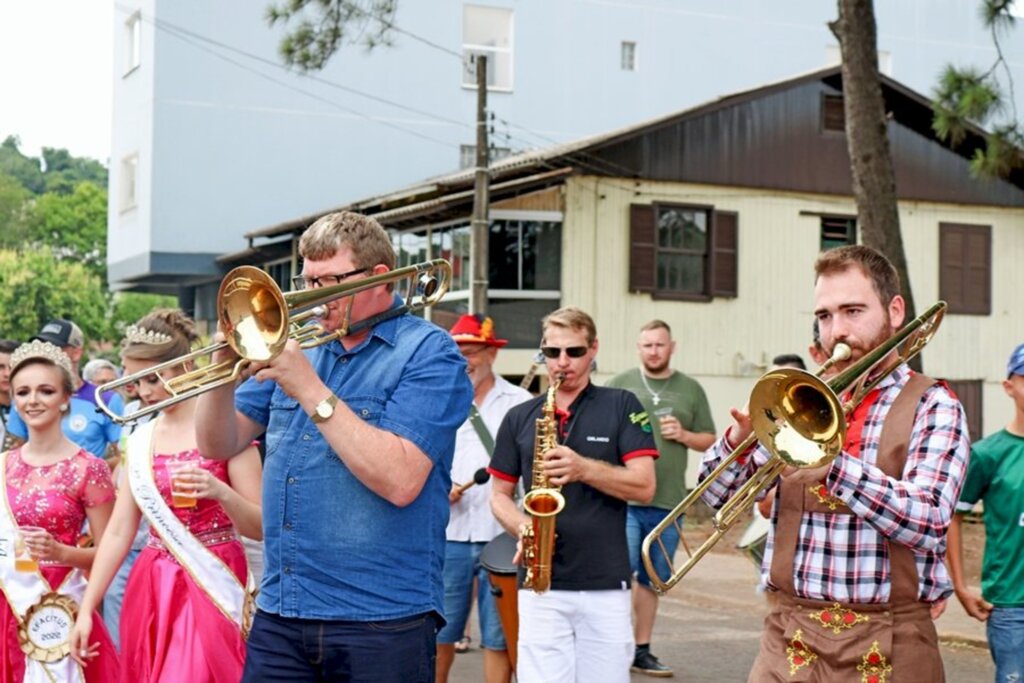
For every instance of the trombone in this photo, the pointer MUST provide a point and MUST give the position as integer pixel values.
(800, 419)
(258, 319)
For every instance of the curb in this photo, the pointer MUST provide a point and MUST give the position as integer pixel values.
(953, 638)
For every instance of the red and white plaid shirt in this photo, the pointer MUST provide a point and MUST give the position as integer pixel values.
(843, 557)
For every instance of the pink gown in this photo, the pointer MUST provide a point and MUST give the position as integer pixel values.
(55, 498)
(171, 630)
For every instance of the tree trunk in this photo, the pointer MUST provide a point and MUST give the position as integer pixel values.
(867, 139)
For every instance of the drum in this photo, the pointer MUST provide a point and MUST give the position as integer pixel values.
(496, 558)
(755, 538)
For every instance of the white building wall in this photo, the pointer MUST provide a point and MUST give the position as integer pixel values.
(229, 142)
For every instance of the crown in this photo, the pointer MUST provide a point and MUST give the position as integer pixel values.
(40, 349)
(133, 334)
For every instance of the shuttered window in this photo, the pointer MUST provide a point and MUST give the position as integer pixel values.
(685, 252)
(833, 117)
(965, 268)
(969, 393)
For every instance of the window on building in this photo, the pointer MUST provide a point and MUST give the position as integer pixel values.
(281, 271)
(487, 31)
(833, 118)
(128, 182)
(628, 55)
(838, 231)
(683, 252)
(524, 270)
(133, 42)
(969, 391)
(467, 155)
(965, 268)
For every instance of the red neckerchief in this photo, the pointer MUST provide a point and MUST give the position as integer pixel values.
(856, 420)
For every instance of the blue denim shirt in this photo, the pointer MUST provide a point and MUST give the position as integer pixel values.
(334, 548)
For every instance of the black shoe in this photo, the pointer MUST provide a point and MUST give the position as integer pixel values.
(646, 663)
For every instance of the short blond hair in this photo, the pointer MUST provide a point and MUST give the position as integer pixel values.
(570, 317)
(368, 240)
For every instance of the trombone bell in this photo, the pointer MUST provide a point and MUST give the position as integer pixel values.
(797, 417)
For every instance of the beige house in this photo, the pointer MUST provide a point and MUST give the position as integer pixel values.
(711, 219)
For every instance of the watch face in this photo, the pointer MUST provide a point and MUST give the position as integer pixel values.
(324, 409)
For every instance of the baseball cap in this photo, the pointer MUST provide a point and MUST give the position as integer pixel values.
(1016, 364)
(61, 333)
(476, 329)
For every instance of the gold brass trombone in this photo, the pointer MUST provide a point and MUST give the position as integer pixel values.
(258, 319)
(800, 419)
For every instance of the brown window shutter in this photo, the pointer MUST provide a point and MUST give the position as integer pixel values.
(833, 115)
(965, 268)
(642, 248)
(725, 254)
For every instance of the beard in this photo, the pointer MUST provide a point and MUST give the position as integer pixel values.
(655, 367)
(860, 349)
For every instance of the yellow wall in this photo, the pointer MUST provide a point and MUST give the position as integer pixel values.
(773, 312)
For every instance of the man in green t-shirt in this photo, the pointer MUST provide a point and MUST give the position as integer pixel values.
(995, 475)
(679, 410)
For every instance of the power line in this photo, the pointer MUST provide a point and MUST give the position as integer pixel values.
(166, 25)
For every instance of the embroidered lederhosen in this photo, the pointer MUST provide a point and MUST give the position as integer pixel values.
(812, 640)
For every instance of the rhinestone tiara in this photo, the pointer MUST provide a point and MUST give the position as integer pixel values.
(133, 334)
(40, 349)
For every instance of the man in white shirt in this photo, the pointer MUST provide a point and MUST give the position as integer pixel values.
(472, 524)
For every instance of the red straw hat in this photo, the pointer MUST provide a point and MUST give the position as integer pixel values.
(476, 329)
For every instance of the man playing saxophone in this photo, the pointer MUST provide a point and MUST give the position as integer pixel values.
(603, 455)
(854, 561)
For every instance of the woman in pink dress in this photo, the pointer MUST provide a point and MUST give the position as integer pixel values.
(177, 624)
(53, 485)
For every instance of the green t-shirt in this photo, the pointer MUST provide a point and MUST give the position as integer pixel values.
(995, 475)
(684, 398)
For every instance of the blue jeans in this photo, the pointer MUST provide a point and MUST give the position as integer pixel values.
(1005, 629)
(640, 520)
(461, 564)
(294, 650)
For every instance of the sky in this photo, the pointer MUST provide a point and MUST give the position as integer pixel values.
(56, 61)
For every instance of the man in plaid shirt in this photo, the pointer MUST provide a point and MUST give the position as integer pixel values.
(854, 561)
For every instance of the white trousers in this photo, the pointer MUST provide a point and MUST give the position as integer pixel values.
(574, 637)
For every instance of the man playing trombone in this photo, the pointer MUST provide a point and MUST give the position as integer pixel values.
(854, 561)
(360, 434)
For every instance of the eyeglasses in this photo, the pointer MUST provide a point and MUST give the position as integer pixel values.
(554, 352)
(302, 282)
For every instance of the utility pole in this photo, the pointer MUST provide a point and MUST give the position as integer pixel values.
(480, 225)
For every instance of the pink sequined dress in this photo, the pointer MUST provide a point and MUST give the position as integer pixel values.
(55, 497)
(171, 630)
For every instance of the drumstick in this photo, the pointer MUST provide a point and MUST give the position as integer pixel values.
(479, 477)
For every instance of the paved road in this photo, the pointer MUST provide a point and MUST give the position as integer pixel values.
(709, 628)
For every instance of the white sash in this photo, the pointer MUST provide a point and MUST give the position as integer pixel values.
(206, 569)
(45, 617)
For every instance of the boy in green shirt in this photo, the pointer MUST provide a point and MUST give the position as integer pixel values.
(996, 476)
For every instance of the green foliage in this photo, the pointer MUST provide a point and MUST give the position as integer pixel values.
(74, 226)
(14, 200)
(966, 97)
(129, 307)
(64, 172)
(322, 27)
(38, 287)
(25, 170)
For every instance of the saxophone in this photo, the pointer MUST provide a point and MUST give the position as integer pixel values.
(542, 502)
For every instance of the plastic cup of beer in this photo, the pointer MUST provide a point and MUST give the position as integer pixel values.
(181, 488)
(23, 560)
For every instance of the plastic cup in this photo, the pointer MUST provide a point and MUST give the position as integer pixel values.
(181, 490)
(23, 560)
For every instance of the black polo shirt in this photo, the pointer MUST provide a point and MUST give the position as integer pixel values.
(604, 424)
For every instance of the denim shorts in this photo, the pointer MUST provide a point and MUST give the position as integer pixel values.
(1005, 627)
(461, 564)
(640, 520)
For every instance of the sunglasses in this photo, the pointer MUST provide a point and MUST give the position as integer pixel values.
(554, 352)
